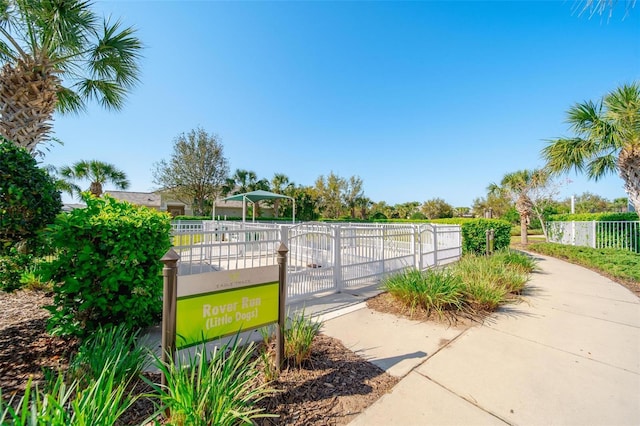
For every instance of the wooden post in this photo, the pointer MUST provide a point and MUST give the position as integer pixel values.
(282, 279)
(170, 274)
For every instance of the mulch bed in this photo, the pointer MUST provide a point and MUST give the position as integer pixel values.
(329, 389)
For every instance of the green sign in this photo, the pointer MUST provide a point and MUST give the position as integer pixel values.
(208, 316)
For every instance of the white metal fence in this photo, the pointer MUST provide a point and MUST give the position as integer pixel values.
(622, 235)
(322, 257)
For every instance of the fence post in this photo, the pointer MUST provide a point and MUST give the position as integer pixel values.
(416, 247)
(170, 279)
(337, 259)
(435, 244)
(594, 229)
(282, 278)
(573, 233)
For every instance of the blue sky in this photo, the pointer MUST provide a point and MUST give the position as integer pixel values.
(420, 99)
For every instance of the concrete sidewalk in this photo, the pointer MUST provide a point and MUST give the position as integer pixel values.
(568, 354)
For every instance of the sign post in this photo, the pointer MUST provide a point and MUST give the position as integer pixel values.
(282, 279)
(170, 278)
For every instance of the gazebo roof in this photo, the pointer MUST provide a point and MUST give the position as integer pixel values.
(254, 196)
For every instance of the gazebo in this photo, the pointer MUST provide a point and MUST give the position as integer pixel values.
(253, 197)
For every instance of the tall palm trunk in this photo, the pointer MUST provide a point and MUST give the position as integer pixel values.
(524, 207)
(629, 170)
(28, 97)
(276, 207)
(96, 189)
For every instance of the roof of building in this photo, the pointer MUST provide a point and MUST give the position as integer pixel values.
(149, 199)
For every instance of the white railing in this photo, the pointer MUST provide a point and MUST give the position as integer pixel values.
(623, 235)
(322, 257)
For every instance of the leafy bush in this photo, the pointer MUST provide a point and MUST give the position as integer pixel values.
(29, 199)
(474, 237)
(618, 264)
(12, 266)
(107, 269)
(220, 391)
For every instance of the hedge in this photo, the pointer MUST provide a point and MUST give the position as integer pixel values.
(599, 217)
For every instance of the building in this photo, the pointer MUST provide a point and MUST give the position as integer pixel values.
(153, 200)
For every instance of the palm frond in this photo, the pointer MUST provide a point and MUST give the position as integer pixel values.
(62, 27)
(116, 55)
(564, 154)
(108, 94)
(69, 101)
(601, 166)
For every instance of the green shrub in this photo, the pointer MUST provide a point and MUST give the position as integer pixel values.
(434, 291)
(220, 391)
(12, 267)
(107, 269)
(474, 237)
(600, 217)
(29, 199)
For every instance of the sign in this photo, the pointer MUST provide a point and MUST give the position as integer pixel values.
(218, 304)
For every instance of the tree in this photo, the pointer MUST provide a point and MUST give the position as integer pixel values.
(620, 204)
(196, 171)
(329, 192)
(364, 205)
(352, 193)
(497, 203)
(607, 140)
(96, 172)
(380, 210)
(461, 211)
(243, 181)
(519, 186)
(405, 210)
(279, 182)
(306, 202)
(28, 196)
(590, 203)
(57, 55)
(436, 208)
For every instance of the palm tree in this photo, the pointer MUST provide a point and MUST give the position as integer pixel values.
(243, 181)
(518, 186)
(607, 140)
(279, 183)
(56, 55)
(97, 172)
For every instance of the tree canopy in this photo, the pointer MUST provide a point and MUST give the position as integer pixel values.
(96, 172)
(196, 171)
(606, 140)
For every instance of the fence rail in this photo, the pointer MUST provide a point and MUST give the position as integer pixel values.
(623, 235)
(322, 257)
